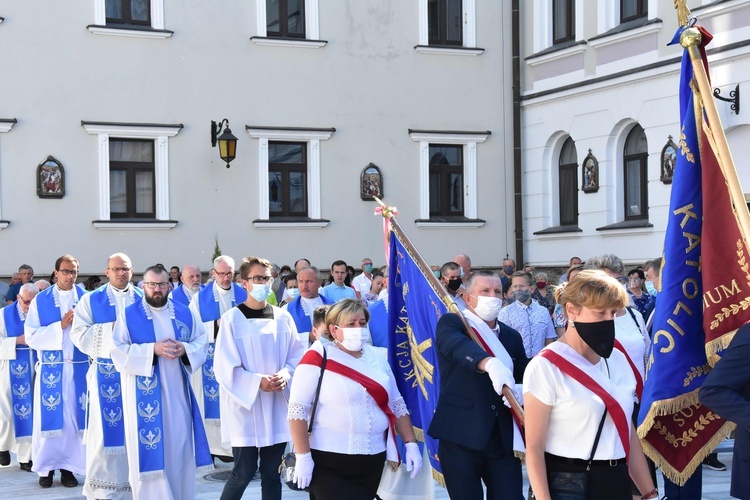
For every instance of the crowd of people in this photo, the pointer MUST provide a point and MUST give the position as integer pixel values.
(138, 386)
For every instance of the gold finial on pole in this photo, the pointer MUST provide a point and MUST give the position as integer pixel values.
(683, 13)
(386, 210)
(690, 37)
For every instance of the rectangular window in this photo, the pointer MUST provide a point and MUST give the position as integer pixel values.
(287, 179)
(635, 189)
(633, 9)
(446, 180)
(285, 18)
(135, 12)
(563, 21)
(445, 22)
(131, 179)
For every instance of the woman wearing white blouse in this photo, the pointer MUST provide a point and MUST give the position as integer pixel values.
(568, 387)
(358, 410)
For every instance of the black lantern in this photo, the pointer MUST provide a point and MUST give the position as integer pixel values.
(227, 141)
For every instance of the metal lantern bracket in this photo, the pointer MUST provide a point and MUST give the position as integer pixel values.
(734, 98)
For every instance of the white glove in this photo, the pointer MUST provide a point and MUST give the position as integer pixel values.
(303, 469)
(413, 459)
(499, 374)
(518, 393)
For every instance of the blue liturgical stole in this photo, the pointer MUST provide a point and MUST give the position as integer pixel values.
(148, 395)
(179, 295)
(379, 324)
(20, 376)
(301, 320)
(208, 302)
(51, 373)
(103, 310)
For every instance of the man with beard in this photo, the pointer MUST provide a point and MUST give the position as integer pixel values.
(209, 305)
(59, 415)
(157, 342)
(93, 322)
(450, 277)
(16, 380)
(189, 286)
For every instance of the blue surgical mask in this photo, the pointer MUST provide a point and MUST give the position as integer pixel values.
(651, 288)
(368, 268)
(292, 293)
(260, 292)
(462, 272)
(436, 273)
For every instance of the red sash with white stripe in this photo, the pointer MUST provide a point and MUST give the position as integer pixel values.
(622, 423)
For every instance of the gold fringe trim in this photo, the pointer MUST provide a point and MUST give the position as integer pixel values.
(392, 465)
(520, 455)
(438, 478)
(681, 477)
(666, 407)
(714, 347)
(419, 434)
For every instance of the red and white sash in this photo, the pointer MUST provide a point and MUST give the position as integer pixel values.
(365, 375)
(494, 347)
(636, 372)
(621, 421)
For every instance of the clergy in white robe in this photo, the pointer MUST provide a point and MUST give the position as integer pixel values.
(16, 379)
(93, 322)
(157, 342)
(190, 286)
(60, 392)
(257, 350)
(209, 304)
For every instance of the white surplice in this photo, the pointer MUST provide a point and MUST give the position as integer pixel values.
(67, 450)
(106, 474)
(213, 430)
(246, 350)
(131, 360)
(8, 353)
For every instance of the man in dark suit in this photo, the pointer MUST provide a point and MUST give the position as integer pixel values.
(726, 391)
(473, 425)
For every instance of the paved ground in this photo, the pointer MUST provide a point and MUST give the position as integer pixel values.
(18, 484)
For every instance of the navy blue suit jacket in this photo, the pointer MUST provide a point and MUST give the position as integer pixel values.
(726, 391)
(468, 407)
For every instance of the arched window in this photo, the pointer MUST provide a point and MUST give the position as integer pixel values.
(568, 184)
(635, 160)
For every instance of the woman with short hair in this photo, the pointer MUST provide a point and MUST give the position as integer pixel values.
(579, 394)
(358, 409)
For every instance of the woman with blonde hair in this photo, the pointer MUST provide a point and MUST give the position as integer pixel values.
(579, 396)
(358, 410)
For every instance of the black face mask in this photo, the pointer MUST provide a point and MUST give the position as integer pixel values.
(454, 284)
(599, 336)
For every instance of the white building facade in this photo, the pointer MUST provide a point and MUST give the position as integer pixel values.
(122, 92)
(599, 107)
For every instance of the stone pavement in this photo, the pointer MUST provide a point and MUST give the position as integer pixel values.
(15, 483)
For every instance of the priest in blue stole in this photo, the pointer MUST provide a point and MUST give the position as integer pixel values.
(189, 287)
(60, 391)
(209, 305)
(302, 307)
(104, 437)
(16, 380)
(157, 344)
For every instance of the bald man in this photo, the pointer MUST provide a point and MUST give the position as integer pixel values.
(93, 322)
(191, 285)
(464, 262)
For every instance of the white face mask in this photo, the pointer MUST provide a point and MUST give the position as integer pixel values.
(293, 293)
(354, 338)
(488, 308)
(260, 292)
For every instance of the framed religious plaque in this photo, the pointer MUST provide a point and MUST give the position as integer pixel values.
(371, 183)
(668, 160)
(50, 179)
(590, 174)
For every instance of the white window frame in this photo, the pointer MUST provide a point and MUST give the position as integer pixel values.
(608, 14)
(312, 138)
(469, 141)
(542, 24)
(312, 28)
(160, 134)
(157, 23)
(469, 32)
(5, 126)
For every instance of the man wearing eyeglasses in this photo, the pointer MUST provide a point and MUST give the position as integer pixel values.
(60, 391)
(257, 351)
(157, 343)
(94, 319)
(208, 305)
(16, 362)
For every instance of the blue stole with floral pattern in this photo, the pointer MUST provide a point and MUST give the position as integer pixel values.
(51, 373)
(150, 425)
(103, 310)
(180, 295)
(302, 321)
(20, 376)
(208, 302)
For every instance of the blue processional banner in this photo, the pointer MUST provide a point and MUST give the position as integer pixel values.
(414, 310)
